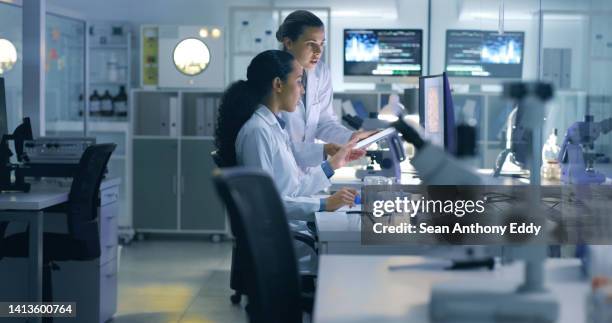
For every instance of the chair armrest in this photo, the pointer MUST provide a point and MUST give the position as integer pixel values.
(308, 240)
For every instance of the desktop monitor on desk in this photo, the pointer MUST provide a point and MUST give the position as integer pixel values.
(383, 56)
(436, 111)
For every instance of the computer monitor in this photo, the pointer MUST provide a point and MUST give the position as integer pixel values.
(482, 53)
(3, 114)
(436, 111)
(383, 55)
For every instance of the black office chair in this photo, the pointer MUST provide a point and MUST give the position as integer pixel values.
(239, 264)
(236, 279)
(258, 219)
(82, 242)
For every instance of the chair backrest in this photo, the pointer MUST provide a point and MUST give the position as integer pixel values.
(83, 199)
(257, 217)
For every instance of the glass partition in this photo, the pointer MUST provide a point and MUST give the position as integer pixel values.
(577, 59)
(65, 67)
(481, 45)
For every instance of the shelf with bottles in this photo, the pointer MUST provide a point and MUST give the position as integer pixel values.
(109, 62)
(107, 106)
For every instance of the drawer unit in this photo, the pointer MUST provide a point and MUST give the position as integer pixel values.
(108, 232)
(108, 290)
(109, 195)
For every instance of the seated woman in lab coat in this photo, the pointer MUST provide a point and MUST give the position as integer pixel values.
(251, 133)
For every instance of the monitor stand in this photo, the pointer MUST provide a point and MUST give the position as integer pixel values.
(384, 87)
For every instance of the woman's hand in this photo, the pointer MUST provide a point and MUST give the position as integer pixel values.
(344, 155)
(354, 154)
(331, 149)
(345, 196)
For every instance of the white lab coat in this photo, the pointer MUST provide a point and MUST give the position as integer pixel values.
(263, 143)
(315, 121)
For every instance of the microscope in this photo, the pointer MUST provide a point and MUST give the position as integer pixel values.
(388, 156)
(388, 153)
(577, 155)
(481, 301)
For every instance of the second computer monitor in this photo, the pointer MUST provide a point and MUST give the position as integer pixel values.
(436, 111)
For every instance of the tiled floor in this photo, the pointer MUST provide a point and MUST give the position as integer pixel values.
(176, 281)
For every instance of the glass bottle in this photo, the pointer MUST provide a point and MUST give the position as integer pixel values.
(120, 103)
(94, 104)
(551, 169)
(106, 104)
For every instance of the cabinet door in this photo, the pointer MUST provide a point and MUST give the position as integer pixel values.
(155, 183)
(201, 208)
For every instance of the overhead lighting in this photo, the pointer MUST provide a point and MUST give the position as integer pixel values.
(8, 55)
(203, 32)
(216, 33)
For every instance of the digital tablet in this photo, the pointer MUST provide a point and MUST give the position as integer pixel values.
(363, 143)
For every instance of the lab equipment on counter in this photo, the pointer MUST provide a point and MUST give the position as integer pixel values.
(393, 110)
(530, 301)
(364, 143)
(436, 111)
(41, 157)
(386, 156)
(550, 164)
(515, 152)
(384, 161)
(577, 154)
(54, 156)
(7, 169)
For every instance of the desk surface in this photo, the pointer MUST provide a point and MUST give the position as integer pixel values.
(363, 289)
(338, 226)
(42, 195)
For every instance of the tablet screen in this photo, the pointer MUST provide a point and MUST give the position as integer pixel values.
(363, 143)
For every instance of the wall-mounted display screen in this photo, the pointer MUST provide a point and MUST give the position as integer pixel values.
(383, 52)
(482, 53)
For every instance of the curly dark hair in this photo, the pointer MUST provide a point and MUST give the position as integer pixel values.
(241, 98)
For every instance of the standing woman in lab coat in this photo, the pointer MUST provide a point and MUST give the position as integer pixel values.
(302, 34)
(251, 133)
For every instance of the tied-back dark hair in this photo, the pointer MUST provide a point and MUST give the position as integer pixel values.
(241, 98)
(295, 23)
